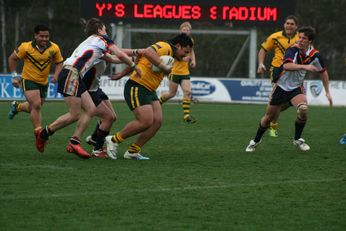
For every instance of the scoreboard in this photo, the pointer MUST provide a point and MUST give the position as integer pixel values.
(217, 12)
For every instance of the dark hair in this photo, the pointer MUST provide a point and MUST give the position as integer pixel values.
(308, 31)
(183, 40)
(93, 25)
(39, 28)
(292, 17)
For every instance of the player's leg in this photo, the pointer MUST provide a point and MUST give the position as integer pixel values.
(34, 100)
(76, 97)
(172, 90)
(273, 129)
(271, 112)
(186, 103)
(146, 135)
(277, 99)
(74, 145)
(91, 138)
(133, 151)
(107, 115)
(300, 102)
(138, 99)
(17, 107)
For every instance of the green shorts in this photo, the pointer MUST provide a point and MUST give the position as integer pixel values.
(28, 85)
(137, 95)
(178, 78)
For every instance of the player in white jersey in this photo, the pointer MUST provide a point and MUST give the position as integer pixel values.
(104, 109)
(71, 86)
(289, 87)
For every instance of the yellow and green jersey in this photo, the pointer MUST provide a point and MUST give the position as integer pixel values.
(279, 42)
(37, 64)
(150, 79)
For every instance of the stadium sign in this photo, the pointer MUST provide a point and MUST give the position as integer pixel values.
(220, 12)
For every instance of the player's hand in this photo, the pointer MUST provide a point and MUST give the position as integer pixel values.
(187, 59)
(165, 68)
(15, 79)
(138, 71)
(261, 69)
(329, 97)
(54, 79)
(16, 82)
(311, 68)
(192, 64)
(140, 52)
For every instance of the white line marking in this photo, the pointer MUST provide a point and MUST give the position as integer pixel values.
(158, 190)
(51, 167)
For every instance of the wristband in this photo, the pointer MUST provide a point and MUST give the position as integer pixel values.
(262, 66)
(135, 52)
(14, 74)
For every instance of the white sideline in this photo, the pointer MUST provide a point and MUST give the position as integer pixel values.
(158, 190)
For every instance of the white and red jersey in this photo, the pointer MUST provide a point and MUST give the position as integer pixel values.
(290, 80)
(93, 76)
(89, 52)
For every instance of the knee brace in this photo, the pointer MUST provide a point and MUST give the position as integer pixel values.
(302, 111)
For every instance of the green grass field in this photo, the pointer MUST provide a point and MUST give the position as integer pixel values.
(199, 176)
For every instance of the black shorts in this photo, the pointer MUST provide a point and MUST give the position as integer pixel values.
(98, 96)
(70, 84)
(280, 96)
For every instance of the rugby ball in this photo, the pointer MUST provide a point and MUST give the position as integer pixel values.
(165, 59)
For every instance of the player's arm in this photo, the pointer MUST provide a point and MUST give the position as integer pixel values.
(121, 74)
(58, 68)
(193, 59)
(111, 58)
(290, 66)
(154, 58)
(133, 52)
(12, 65)
(124, 58)
(261, 57)
(325, 80)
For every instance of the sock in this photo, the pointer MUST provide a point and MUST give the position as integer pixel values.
(117, 138)
(186, 107)
(299, 125)
(134, 148)
(100, 138)
(162, 100)
(36, 130)
(93, 136)
(74, 140)
(46, 132)
(260, 131)
(19, 108)
(274, 125)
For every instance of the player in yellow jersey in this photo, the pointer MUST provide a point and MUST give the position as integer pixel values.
(38, 56)
(141, 98)
(180, 75)
(278, 42)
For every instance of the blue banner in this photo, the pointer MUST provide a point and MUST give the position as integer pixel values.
(8, 92)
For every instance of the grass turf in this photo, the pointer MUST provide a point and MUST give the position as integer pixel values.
(199, 176)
